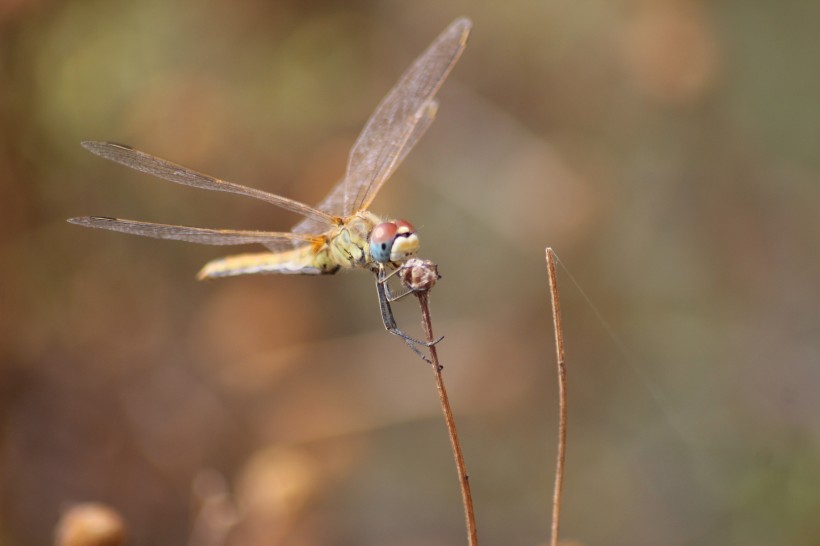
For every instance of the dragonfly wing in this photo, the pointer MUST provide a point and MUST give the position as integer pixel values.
(334, 203)
(275, 241)
(161, 168)
(424, 118)
(393, 128)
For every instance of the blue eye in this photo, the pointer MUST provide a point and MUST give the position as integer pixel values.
(381, 241)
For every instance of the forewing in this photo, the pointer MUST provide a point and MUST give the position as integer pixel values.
(147, 163)
(275, 241)
(393, 128)
(334, 202)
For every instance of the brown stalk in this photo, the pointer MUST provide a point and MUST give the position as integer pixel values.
(562, 397)
(419, 276)
(463, 478)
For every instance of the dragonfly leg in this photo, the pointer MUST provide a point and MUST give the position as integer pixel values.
(384, 277)
(389, 320)
(395, 297)
(416, 350)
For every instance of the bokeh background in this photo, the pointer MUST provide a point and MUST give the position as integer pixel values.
(667, 149)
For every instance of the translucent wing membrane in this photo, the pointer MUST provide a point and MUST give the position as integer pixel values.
(395, 127)
(275, 241)
(172, 172)
(335, 200)
(399, 120)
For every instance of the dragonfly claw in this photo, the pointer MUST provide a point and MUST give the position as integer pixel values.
(431, 343)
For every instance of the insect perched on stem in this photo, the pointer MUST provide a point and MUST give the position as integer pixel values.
(340, 232)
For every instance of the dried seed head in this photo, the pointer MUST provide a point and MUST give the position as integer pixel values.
(419, 275)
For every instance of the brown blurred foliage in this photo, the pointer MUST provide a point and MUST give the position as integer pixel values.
(667, 149)
(90, 524)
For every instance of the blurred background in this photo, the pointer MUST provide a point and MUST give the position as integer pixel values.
(667, 149)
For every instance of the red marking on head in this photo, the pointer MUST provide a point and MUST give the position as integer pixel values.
(383, 233)
(403, 226)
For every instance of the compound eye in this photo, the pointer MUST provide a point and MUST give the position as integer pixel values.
(404, 227)
(384, 233)
(381, 241)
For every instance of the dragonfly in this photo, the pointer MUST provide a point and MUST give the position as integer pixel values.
(340, 232)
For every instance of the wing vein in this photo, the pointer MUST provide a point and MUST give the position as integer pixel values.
(172, 172)
(272, 239)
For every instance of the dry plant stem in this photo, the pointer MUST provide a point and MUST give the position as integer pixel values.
(562, 397)
(463, 478)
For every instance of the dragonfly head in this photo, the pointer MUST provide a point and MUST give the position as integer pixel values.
(393, 242)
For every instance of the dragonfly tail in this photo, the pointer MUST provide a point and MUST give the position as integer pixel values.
(300, 261)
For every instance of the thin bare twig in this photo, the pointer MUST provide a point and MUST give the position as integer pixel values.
(463, 478)
(562, 397)
(420, 276)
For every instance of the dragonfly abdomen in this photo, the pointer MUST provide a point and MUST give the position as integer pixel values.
(300, 261)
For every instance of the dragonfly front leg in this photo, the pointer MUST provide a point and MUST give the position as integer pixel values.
(382, 278)
(389, 320)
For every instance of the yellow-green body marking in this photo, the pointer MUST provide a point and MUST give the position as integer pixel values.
(345, 246)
